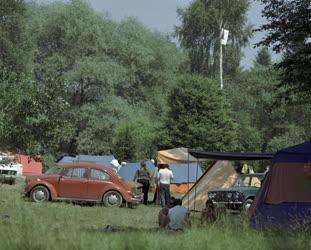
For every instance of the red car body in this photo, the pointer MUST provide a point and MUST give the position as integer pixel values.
(83, 182)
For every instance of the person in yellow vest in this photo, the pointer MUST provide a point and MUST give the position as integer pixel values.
(255, 181)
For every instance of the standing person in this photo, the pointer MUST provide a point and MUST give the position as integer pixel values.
(142, 176)
(156, 185)
(165, 175)
(115, 165)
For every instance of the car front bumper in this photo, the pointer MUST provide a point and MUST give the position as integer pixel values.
(233, 205)
(7, 179)
(137, 198)
(227, 203)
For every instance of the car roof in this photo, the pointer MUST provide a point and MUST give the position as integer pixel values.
(89, 165)
(253, 174)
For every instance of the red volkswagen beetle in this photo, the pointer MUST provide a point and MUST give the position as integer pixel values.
(83, 182)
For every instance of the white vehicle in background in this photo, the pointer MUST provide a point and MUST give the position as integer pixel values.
(8, 174)
(9, 170)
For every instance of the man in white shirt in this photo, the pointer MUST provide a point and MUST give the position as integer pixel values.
(165, 175)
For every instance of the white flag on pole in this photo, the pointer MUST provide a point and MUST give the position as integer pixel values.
(224, 36)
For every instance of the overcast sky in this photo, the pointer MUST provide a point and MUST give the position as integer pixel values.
(161, 15)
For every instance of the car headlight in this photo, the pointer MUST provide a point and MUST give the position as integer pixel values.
(236, 195)
(229, 195)
(130, 192)
(211, 195)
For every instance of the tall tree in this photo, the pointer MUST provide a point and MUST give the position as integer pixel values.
(265, 121)
(263, 57)
(288, 32)
(32, 117)
(100, 63)
(14, 39)
(200, 30)
(199, 116)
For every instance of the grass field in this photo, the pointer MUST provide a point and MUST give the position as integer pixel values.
(56, 225)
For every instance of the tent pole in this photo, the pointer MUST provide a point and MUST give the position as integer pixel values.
(195, 187)
(188, 183)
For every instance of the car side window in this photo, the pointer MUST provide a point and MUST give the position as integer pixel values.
(97, 174)
(76, 173)
(242, 181)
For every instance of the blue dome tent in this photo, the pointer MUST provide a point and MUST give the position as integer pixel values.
(284, 199)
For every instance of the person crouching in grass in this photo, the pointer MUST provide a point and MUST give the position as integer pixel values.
(174, 217)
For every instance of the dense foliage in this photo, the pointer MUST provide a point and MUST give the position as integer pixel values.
(199, 116)
(89, 75)
(15, 41)
(263, 57)
(266, 122)
(288, 32)
(75, 81)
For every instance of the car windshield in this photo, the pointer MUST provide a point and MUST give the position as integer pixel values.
(249, 181)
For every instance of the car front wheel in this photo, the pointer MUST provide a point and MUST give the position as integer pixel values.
(247, 204)
(40, 194)
(112, 199)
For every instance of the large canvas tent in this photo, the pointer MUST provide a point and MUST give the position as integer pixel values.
(221, 174)
(285, 197)
(185, 176)
(175, 155)
(188, 156)
(184, 166)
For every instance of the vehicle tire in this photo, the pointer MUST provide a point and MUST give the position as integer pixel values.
(40, 194)
(247, 204)
(112, 199)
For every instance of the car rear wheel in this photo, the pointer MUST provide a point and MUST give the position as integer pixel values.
(112, 199)
(247, 204)
(40, 194)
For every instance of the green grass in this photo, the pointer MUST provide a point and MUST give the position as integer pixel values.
(57, 225)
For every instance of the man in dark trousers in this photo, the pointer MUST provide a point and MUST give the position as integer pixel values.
(142, 176)
(165, 175)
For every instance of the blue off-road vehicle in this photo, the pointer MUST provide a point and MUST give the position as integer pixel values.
(241, 195)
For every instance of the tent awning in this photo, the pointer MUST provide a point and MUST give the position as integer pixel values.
(201, 154)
